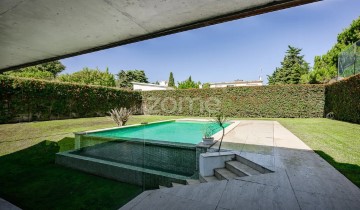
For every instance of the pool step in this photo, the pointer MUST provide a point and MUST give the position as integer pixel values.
(240, 169)
(224, 174)
(207, 179)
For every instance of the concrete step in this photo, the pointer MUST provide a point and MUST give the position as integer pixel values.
(208, 179)
(162, 187)
(253, 165)
(176, 184)
(224, 174)
(192, 181)
(240, 169)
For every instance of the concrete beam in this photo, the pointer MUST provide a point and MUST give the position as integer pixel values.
(37, 31)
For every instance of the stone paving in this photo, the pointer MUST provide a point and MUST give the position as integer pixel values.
(5, 205)
(301, 178)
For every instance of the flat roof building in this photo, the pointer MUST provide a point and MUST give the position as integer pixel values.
(236, 83)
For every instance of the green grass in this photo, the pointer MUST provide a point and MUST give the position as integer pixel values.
(14, 137)
(30, 179)
(336, 141)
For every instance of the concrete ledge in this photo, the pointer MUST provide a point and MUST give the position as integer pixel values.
(210, 161)
(118, 171)
(122, 127)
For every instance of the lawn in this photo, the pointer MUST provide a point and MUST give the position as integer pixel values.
(30, 179)
(336, 141)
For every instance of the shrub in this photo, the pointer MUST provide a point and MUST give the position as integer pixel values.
(262, 101)
(343, 99)
(120, 115)
(90, 77)
(28, 99)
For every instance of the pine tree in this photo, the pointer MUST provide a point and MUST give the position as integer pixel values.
(293, 67)
(171, 80)
(189, 83)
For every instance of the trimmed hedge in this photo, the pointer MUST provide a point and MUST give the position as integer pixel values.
(28, 100)
(343, 99)
(262, 101)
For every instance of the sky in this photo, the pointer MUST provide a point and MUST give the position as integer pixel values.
(241, 49)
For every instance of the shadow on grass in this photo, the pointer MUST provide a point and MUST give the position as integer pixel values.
(351, 171)
(31, 180)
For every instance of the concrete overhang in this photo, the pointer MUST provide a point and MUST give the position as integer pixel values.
(37, 31)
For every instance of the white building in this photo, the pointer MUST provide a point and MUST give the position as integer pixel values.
(148, 86)
(236, 83)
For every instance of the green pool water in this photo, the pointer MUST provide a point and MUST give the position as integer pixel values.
(174, 131)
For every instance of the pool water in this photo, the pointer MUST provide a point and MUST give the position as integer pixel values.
(173, 131)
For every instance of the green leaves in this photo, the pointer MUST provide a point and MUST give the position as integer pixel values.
(126, 77)
(171, 80)
(293, 67)
(187, 84)
(29, 99)
(343, 99)
(326, 66)
(90, 77)
(264, 101)
(46, 71)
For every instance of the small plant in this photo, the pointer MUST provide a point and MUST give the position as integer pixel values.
(208, 131)
(220, 119)
(120, 115)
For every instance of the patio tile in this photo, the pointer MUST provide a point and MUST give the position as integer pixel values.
(247, 195)
(259, 149)
(136, 200)
(261, 159)
(276, 179)
(208, 193)
(321, 184)
(5, 205)
(298, 159)
(162, 201)
(318, 201)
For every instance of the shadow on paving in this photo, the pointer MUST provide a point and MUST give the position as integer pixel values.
(31, 180)
(351, 171)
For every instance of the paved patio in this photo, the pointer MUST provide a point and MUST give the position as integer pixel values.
(301, 178)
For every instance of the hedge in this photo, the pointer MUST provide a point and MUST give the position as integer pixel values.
(28, 100)
(343, 99)
(263, 101)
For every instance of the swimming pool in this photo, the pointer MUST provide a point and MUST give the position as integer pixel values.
(148, 155)
(189, 132)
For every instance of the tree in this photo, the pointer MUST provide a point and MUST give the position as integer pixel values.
(54, 67)
(90, 76)
(47, 71)
(126, 77)
(206, 85)
(171, 80)
(293, 67)
(31, 72)
(188, 84)
(325, 66)
(220, 119)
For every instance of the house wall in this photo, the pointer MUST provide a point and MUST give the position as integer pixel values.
(147, 87)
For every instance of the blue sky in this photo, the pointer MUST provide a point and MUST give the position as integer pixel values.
(234, 50)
